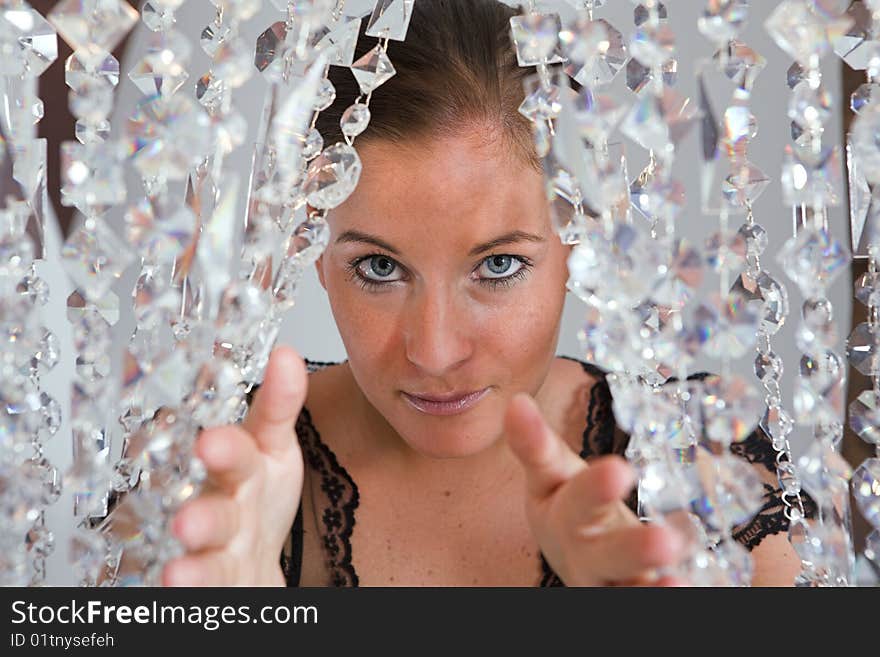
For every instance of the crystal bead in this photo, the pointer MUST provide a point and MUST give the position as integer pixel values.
(823, 471)
(722, 20)
(683, 277)
(638, 76)
(813, 259)
(769, 296)
(29, 44)
(731, 492)
(541, 102)
(755, 237)
(313, 144)
(854, 44)
(390, 19)
(332, 176)
(536, 38)
(355, 120)
(652, 45)
(169, 136)
(777, 424)
(87, 553)
(725, 250)
(40, 541)
(811, 178)
(338, 40)
(864, 416)
(92, 176)
(866, 489)
(800, 32)
(768, 366)
(864, 146)
(308, 242)
(810, 107)
(731, 408)
(867, 289)
(642, 12)
(325, 96)
(213, 36)
(817, 331)
(101, 22)
(372, 70)
(94, 257)
(233, 62)
(866, 94)
(660, 122)
(156, 17)
(656, 198)
(819, 390)
(741, 65)
(162, 71)
(595, 50)
(789, 482)
(863, 350)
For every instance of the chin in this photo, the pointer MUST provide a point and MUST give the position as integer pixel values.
(450, 437)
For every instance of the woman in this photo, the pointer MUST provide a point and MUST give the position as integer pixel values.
(452, 434)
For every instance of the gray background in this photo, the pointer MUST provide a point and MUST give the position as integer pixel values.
(309, 326)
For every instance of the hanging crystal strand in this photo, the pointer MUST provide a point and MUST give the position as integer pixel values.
(812, 258)
(93, 256)
(28, 481)
(863, 346)
(752, 304)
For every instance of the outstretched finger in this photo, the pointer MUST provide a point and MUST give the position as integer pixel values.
(278, 401)
(547, 459)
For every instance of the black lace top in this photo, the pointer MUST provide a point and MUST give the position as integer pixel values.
(330, 496)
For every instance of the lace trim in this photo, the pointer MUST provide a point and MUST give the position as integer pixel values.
(338, 519)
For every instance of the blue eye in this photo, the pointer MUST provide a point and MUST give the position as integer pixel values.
(500, 265)
(382, 266)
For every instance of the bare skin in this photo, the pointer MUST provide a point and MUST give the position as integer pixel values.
(498, 481)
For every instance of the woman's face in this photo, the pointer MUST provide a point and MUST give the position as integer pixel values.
(445, 277)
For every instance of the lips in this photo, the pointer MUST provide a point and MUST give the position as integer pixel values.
(445, 405)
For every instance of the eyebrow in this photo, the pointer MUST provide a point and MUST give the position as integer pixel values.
(508, 238)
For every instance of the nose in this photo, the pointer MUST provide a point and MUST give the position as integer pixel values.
(436, 332)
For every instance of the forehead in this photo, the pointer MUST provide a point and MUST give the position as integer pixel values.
(470, 184)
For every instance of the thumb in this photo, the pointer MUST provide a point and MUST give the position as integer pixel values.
(547, 459)
(278, 400)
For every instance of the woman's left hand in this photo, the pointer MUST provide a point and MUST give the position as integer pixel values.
(577, 512)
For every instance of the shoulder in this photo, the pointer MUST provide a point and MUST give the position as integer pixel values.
(587, 421)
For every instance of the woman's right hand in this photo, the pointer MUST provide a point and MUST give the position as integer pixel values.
(234, 530)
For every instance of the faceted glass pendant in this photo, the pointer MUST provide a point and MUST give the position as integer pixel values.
(355, 120)
(819, 389)
(638, 76)
(813, 259)
(864, 416)
(92, 176)
(863, 349)
(741, 65)
(659, 123)
(372, 70)
(731, 408)
(390, 19)
(865, 145)
(27, 42)
(866, 489)
(823, 471)
(867, 94)
(768, 366)
(770, 296)
(332, 177)
(856, 45)
(536, 37)
(596, 51)
(777, 424)
(652, 45)
(271, 49)
(812, 179)
(802, 33)
(94, 257)
(541, 102)
(338, 40)
(684, 275)
(168, 136)
(162, 71)
(722, 20)
(726, 327)
(103, 23)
